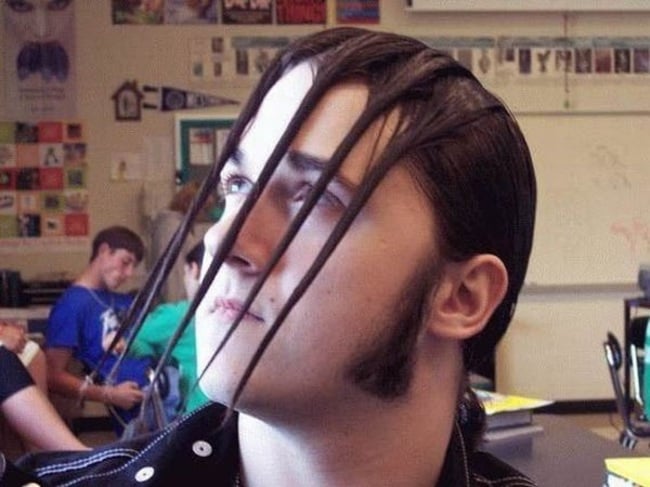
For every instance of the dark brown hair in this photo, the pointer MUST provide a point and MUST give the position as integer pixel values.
(118, 237)
(462, 145)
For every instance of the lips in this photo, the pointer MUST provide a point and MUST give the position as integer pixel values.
(230, 308)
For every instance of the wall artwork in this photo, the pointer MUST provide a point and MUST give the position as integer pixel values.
(39, 60)
(157, 12)
(43, 182)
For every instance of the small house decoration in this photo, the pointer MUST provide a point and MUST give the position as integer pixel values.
(127, 99)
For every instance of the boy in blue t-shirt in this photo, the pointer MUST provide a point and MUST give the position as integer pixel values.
(82, 323)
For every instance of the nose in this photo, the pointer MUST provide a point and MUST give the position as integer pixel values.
(41, 24)
(257, 238)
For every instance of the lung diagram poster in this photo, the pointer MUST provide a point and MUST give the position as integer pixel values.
(39, 59)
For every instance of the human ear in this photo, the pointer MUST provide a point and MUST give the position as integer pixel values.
(104, 248)
(466, 297)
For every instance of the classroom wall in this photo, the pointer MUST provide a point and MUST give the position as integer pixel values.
(586, 137)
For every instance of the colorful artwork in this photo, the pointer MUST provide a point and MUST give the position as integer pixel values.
(43, 180)
(138, 12)
(39, 60)
(357, 11)
(247, 11)
(300, 11)
(192, 12)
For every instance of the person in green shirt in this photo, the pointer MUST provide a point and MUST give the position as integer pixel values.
(160, 325)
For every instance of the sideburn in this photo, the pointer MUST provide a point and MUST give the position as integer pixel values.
(386, 368)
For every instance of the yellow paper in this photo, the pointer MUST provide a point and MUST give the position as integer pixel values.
(494, 402)
(634, 469)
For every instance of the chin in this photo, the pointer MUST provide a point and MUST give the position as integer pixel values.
(216, 387)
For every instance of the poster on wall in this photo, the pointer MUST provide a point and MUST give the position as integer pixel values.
(43, 183)
(232, 61)
(138, 12)
(194, 12)
(300, 11)
(253, 54)
(39, 60)
(357, 11)
(158, 12)
(247, 11)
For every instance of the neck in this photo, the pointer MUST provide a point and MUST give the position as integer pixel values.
(89, 279)
(377, 443)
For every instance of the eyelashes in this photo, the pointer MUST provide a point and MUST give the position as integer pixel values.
(235, 184)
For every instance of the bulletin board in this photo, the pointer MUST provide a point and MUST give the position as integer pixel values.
(593, 219)
(43, 185)
(199, 140)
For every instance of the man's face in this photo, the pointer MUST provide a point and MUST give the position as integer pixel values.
(39, 20)
(350, 306)
(116, 266)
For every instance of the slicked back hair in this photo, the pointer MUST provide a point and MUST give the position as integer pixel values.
(461, 143)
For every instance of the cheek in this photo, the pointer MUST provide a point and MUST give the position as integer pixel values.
(353, 291)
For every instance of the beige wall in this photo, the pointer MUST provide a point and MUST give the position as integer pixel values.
(554, 350)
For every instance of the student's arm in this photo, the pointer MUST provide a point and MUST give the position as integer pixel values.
(124, 395)
(34, 418)
(13, 337)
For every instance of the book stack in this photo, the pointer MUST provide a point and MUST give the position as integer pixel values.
(627, 472)
(509, 417)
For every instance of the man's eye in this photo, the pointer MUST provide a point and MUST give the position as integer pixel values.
(20, 6)
(326, 198)
(57, 4)
(235, 185)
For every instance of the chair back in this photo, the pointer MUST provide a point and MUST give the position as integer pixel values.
(632, 429)
(638, 327)
(614, 358)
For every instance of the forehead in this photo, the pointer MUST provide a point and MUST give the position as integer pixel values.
(323, 130)
(120, 254)
(276, 111)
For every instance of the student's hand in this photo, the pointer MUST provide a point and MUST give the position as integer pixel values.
(124, 395)
(108, 339)
(13, 337)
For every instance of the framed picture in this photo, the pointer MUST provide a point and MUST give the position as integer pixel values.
(199, 141)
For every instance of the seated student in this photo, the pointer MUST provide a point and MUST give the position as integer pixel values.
(14, 338)
(28, 410)
(84, 320)
(160, 325)
(379, 216)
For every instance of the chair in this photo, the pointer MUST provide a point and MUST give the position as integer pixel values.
(633, 428)
(636, 337)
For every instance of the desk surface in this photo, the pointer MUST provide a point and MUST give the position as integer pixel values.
(565, 454)
(28, 313)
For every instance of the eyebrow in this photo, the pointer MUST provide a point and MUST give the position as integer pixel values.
(306, 162)
(302, 162)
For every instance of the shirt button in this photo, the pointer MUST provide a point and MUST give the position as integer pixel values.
(144, 474)
(202, 448)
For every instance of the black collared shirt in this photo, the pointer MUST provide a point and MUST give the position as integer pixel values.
(199, 449)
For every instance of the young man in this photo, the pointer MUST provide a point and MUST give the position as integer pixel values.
(86, 317)
(341, 344)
